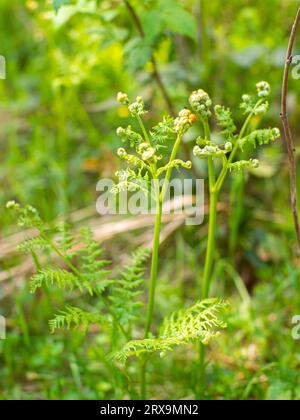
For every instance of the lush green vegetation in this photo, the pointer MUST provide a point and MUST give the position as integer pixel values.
(127, 306)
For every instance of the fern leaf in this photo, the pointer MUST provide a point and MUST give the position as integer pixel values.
(243, 164)
(33, 245)
(200, 322)
(260, 137)
(63, 279)
(66, 241)
(210, 149)
(124, 293)
(73, 317)
(127, 134)
(93, 268)
(225, 121)
(28, 216)
(176, 163)
(164, 131)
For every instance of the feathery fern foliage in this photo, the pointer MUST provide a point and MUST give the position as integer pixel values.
(58, 277)
(127, 288)
(35, 244)
(93, 268)
(200, 322)
(66, 242)
(260, 137)
(73, 317)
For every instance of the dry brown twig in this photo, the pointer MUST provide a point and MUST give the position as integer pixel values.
(287, 130)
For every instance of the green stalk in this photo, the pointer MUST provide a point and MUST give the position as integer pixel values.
(155, 248)
(152, 288)
(154, 268)
(214, 189)
(169, 171)
(210, 249)
(213, 195)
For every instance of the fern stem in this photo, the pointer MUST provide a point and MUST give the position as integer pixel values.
(154, 268)
(201, 386)
(143, 379)
(210, 250)
(152, 287)
(212, 221)
(144, 131)
(36, 260)
(60, 254)
(169, 171)
(160, 195)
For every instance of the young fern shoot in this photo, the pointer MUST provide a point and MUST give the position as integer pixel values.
(206, 148)
(233, 141)
(147, 167)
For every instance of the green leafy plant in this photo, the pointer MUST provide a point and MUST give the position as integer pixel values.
(206, 148)
(85, 273)
(198, 322)
(147, 166)
(116, 302)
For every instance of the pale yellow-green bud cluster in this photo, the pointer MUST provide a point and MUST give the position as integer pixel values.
(146, 151)
(263, 89)
(12, 205)
(184, 120)
(200, 101)
(123, 98)
(137, 107)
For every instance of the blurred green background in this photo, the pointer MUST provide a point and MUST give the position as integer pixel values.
(58, 117)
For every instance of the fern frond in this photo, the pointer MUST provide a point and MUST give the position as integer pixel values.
(33, 245)
(141, 347)
(243, 164)
(225, 121)
(93, 268)
(127, 134)
(176, 163)
(260, 137)
(28, 216)
(129, 180)
(164, 131)
(60, 278)
(201, 322)
(133, 160)
(211, 150)
(66, 241)
(126, 289)
(73, 317)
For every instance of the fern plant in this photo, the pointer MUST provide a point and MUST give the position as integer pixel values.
(200, 322)
(147, 165)
(120, 308)
(207, 148)
(85, 272)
